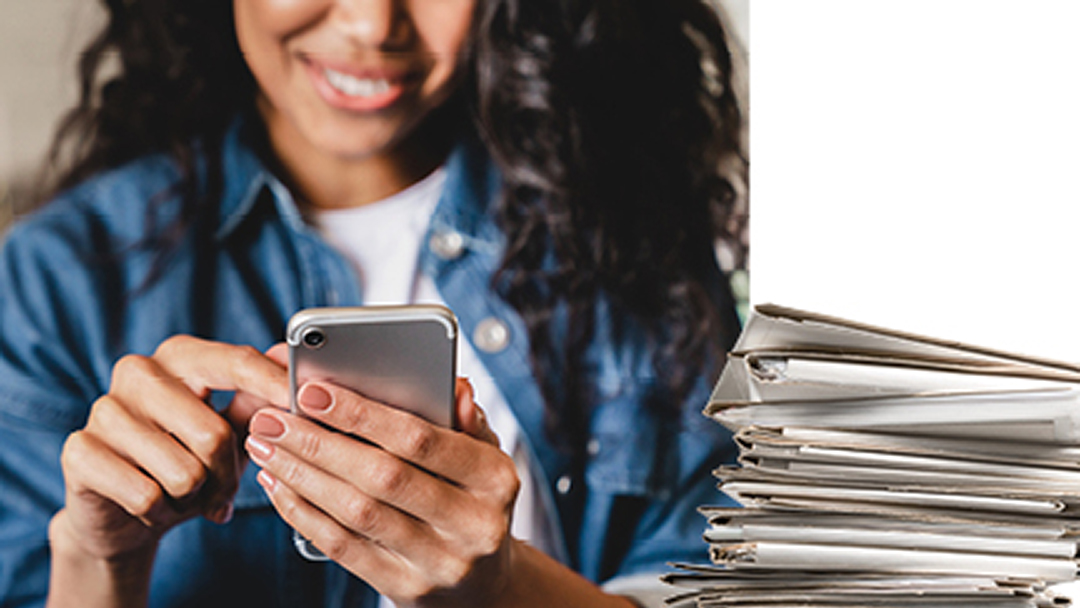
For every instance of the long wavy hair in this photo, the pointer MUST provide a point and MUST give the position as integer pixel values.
(611, 120)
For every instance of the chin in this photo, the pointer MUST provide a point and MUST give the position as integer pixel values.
(355, 147)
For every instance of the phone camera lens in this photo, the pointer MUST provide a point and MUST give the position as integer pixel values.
(314, 338)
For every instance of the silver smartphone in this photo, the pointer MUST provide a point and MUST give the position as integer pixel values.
(405, 356)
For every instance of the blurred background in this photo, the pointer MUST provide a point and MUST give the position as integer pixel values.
(40, 41)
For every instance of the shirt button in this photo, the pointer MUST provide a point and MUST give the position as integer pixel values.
(593, 447)
(491, 335)
(563, 485)
(447, 245)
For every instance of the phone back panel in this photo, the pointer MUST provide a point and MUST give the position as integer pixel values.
(404, 356)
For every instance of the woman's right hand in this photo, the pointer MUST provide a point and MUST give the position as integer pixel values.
(154, 454)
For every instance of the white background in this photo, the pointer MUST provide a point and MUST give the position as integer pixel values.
(914, 164)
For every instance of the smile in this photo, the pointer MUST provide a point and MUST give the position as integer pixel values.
(370, 90)
(356, 87)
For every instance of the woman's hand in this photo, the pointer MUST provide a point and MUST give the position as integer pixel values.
(420, 512)
(154, 454)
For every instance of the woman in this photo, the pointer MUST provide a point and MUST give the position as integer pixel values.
(548, 170)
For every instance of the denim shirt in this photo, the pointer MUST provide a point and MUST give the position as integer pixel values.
(74, 298)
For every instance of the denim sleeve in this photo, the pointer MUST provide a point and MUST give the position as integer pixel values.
(46, 385)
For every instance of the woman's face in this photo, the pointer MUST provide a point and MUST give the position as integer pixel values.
(352, 78)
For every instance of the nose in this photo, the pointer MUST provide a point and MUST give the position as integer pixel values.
(372, 23)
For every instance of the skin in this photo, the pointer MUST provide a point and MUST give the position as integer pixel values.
(425, 519)
(153, 455)
(341, 157)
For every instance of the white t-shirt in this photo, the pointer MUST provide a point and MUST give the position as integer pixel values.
(382, 240)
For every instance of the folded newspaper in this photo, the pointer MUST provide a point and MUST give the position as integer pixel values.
(884, 469)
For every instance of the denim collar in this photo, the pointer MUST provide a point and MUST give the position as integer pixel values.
(246, 177)
(466, 204)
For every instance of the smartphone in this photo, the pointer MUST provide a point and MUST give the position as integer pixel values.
(404, 356)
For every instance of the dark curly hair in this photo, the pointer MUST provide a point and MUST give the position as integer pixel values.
(609, 119)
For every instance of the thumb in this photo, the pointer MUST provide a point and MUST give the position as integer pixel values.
(279, 353)
(471, 419)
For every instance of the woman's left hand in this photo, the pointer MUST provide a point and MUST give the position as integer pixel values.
(421, 513)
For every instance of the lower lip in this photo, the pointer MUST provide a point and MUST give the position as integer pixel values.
(353, 103)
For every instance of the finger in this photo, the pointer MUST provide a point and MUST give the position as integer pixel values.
(367, 467)
(204, 366)
(258, 380)
(180, 474)
(279, 353)
(365, 558)
(90, 466)
(348, 505)
(453, 455)
(240, 410)
(470, 415)
(244, 404)
(162, 400)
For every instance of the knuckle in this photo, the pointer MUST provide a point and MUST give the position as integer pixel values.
(420, 442)
(452, 571)
(309, 445)
(215, 438)
(417, 592)
(247, 352)
(246, 357)
(335, 544)
(172, 345)
(490, 537)
(417, 589)
(185, 480)
(353, 415)
(73, 451)
(362, 514)
(287, 508)
(169, 347)
(292, 473)
(105, 413)
(143, 498)
(254, 370)
(129, 367)
(391, 479)
(507, 484)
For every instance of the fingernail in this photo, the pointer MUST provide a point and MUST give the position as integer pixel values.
(315, 398)
(259, 451)
(266, 425)
(223, 514)
(266, 480)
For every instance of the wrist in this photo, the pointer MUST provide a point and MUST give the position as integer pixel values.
(79, 577)
(535, 579)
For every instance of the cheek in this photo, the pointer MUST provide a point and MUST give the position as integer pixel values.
(263, 30)
(444, 26)
(266, 22)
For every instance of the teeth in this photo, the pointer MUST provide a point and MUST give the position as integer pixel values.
(356, 87)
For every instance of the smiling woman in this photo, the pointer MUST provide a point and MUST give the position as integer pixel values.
(348, 85)
(252, 159)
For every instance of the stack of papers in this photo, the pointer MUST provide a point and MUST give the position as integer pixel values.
(885, 469)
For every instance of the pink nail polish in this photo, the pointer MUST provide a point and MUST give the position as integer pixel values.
(259, 450)
(266, 480)
(267, 425)
(315, 398)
